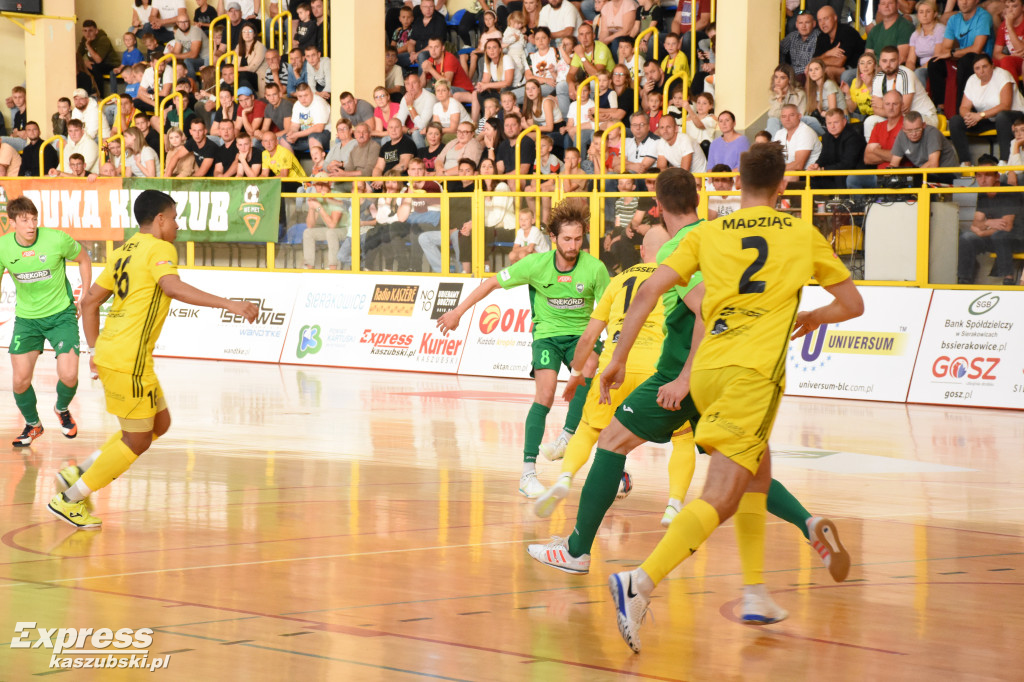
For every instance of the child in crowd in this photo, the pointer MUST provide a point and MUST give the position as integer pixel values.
(131, 55)
(585, 105)
(571, 166)
(652, 105)
(626, 59)
(491, 32)
(529, 237)
(491, 108)
(132, 77)
(701, 125)
(513, 41)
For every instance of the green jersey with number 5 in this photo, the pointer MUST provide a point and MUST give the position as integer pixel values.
(39, 273)
(561, 301)
(139, 304)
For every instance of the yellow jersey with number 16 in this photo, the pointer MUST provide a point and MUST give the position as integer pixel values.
(612, 309)
(139, 306)
(755, 263)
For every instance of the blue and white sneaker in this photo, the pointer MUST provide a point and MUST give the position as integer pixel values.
(759, 608)
(630, 607)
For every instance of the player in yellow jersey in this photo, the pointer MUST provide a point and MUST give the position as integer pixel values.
(755, 263)
(143, 280)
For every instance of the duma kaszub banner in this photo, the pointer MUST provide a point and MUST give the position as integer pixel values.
(208, 210)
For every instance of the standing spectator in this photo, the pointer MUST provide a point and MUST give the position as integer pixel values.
(996, 228)
(401, 37)
(80, 143)
(430, 25)
(677, 150)
(275, 71)
(890, 29)
(305, 27)
(968, 36)
(30, 154)
(97, 54)
(1009, 49)
(798, 47)
(326, 220)
(798, 140)
(318, 73)
(277, 115)
(417, 106)
(190, 44)
(923, 146)
(204, 151)
(878, 152)
(252, 58)
(991, 100)
(929, 35)
(727, 148)
(297, 71)
(892, 76)
(842, 148)
(839, 45)
(784, 91)
(355, 110)
(277, 160)
(59, 121)
(310, 117)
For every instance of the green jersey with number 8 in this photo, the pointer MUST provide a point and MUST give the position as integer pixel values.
(39, 273)
(561, 301)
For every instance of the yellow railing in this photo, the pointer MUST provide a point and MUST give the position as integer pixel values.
(536, 165)
(579, 110)
(281, 20)
(116, 99)
(652, 31)
(103, 152)
(179, 100)
(233, 55)
(158, 82)
(327, 27)
(665, 95)
(227, 35)
(59, 139)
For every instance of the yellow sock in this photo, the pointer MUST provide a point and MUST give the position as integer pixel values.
(680, 465)
(115, 458)
(118, 435)
(689, 529)
(578, 451)
(749, 519)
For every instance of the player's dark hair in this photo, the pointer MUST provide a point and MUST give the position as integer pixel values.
(21, 206)
(150, 203)
(676, 190)
(573, 211)
(762, 167)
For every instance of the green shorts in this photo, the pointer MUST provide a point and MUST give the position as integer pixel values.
(645, 418)
(60, 329)
(553, 352)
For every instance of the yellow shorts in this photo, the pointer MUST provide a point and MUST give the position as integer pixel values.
(737, 407)
(135, 401)
(598, 416)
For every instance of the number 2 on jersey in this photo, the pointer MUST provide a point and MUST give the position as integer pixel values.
(748, 285)
(121, 276)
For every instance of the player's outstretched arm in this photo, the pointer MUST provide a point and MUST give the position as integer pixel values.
(846, 305)
(186, 293)
(90, 306)
(672, 394)
(85, 271)
(450, 320)
(584, 349)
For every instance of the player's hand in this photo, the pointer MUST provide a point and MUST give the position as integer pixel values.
(245, 309)
(611, 378)
(448, 322)
(92, 369)
(672, 394)
(571, 386)
(805, 324)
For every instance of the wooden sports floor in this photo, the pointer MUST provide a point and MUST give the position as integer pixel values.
(313, 524)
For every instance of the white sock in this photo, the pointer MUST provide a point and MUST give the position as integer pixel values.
(566, 477)
(755, 590)
(675, 504)
(84, 466)
(529, 468)
(78, 492)
(644, 584)
(566, 436)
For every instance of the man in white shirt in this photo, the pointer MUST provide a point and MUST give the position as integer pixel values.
(79, 143)
(310, 117)
(642, 147)
(86, 110)
(677, 150)
(418, 105)
(892, 76)
(318, 73)
(798, 139)
(561, 18)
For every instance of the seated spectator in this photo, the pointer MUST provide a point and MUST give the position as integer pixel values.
(149, 92)
(878, 152)
(622, 86)
(892, 76)
(252, 59)
(839, 45)
(727, 148)
(573, 166)
(798, 47)
(318, 74)
(226, 109)
(968, 36)
(611, 112)
(151, 48)
(204, 150)
(165, 14)
(96, 54)
(928, 35)
(234, 30)
(677, 150)
(447, 112)
(432, 149)
(355, 110)
(842, 148)
(530, 238)
(798, 140)
(180, 162)
(396, 151)
(131, 55)
(384, 110)
(990, 101)
(184, 87)
(1016, 151)
(922, 146)
(700, 120)
(386, 211)
(417, 106)
(580, 124)
(823, 94)
(762, 136)
(140, 17)
(326, 220)
(422, 227)
(541, 110)
(1009, 49)
(277, 160)
(250, 112)
(140, 159)
(590, 58)
(310, 116)
(297, 71)
(695, 15)
(110, 159)
(498, 74)
(10, 161)
(363, 157)
(719, 205)
(277, 115)
(127, 115)
(150, 135)
(653, 83)
(784, 90)
(542, 65)
(227, 156)
(19, 117)
(401, 37)
(189, 44)
(30, 154)
(394, 77)
(619, 251)
(491, 138)
(341, 149)
(463, 147)
(996, 228)
(305, 27)
(59, 121)
(460, 211)
(80, 143)
(443, 65)
(275, 72)
(641, 148)
(431, 24)
(890, 28)
(205, 14)
(566, 53)
(652, 107)
(618, 23)
(76, 169)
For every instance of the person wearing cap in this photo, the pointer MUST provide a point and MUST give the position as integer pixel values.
(326, 220)
(235, 16)
(248, 9)
(190, 44)
(86, 110)
(250, 112)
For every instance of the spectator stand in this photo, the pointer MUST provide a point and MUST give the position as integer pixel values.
(59, 140)
(114, 99)
(281, 21)
(649, 31)
(162, 103)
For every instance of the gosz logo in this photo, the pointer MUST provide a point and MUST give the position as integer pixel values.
(962, 368)
(983, 304)
(309, 341)
(509, 320)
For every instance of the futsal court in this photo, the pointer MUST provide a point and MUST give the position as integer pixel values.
(313, 523)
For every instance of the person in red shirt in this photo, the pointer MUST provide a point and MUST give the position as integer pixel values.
(443, 65)
(250, 112)
(1009, 52)
(878, 153)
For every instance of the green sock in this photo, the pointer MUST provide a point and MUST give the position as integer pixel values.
(64, 395)
(27, 404)
(599, 492)
(781, 503)
(575, 413)
(535, 419)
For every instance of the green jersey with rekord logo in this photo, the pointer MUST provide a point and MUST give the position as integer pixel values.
(38, 271)
(561, 301)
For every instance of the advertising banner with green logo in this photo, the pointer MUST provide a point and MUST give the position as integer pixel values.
(208, 210)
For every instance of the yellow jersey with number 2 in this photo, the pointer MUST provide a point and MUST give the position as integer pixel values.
(139, 304)
(755, 263)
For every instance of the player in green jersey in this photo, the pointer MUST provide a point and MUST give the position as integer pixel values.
(565, 283)
(45, 310)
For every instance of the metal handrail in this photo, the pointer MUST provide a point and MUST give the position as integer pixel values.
(621, 127)
(103, 154)
(156, 74)
(180, 100)
(281, 20)
(227, 34)
(59, 139)
(579, 109)
(216, 74)
(668, 87)
(116, 99)
(652, 30)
